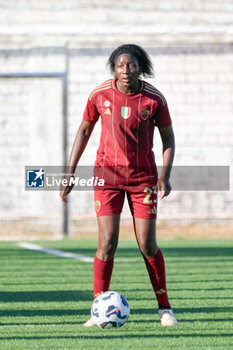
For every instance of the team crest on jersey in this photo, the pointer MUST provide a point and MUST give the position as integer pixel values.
(145, 114)
(125, 112)
(97, 205)
(107, 103)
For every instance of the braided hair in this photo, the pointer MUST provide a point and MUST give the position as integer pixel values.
(142, 57)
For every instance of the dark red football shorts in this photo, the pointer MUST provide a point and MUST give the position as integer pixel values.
(142, 202)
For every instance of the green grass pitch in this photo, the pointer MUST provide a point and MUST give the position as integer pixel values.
(45, 299)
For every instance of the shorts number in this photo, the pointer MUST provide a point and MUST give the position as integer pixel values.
(149, 191)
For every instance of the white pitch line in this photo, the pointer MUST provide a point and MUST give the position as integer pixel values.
(38, 248)
(62, 254)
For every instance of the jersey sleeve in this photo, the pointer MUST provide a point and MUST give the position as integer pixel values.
(162, 117)
(91, 113)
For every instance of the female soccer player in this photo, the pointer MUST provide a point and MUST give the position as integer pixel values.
(129, 108)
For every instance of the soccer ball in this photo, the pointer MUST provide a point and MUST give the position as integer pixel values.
(110, 309)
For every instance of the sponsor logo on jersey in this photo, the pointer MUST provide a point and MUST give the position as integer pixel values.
(107, 111)
(145, 114)
(97, 205)
(107, 103)
(125, 112)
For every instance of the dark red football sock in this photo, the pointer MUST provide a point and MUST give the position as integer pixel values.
(102, 275)
(156, 269)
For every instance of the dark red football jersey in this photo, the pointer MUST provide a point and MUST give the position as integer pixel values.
(125, 152)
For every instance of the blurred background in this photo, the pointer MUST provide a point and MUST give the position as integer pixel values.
(54, 53)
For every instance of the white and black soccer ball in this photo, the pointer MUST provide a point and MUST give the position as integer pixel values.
(110, 309)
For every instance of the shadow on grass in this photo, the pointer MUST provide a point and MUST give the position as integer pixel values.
(52, 323)
(183, 252)
(46, 296)
(45, 312)
(176, 252)
(191, 310)
(112, 336)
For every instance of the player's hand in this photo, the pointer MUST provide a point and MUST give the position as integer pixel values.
(163, 187)
(65, 190)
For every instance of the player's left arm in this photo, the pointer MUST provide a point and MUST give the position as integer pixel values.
(168, 141)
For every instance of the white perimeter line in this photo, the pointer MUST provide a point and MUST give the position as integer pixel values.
(62, 254)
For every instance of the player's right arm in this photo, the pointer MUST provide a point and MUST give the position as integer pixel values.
(79, 145)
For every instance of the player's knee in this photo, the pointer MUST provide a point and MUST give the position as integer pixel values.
(148, 248)
(107, 248)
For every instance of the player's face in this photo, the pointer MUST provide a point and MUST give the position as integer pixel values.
(127, 71)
